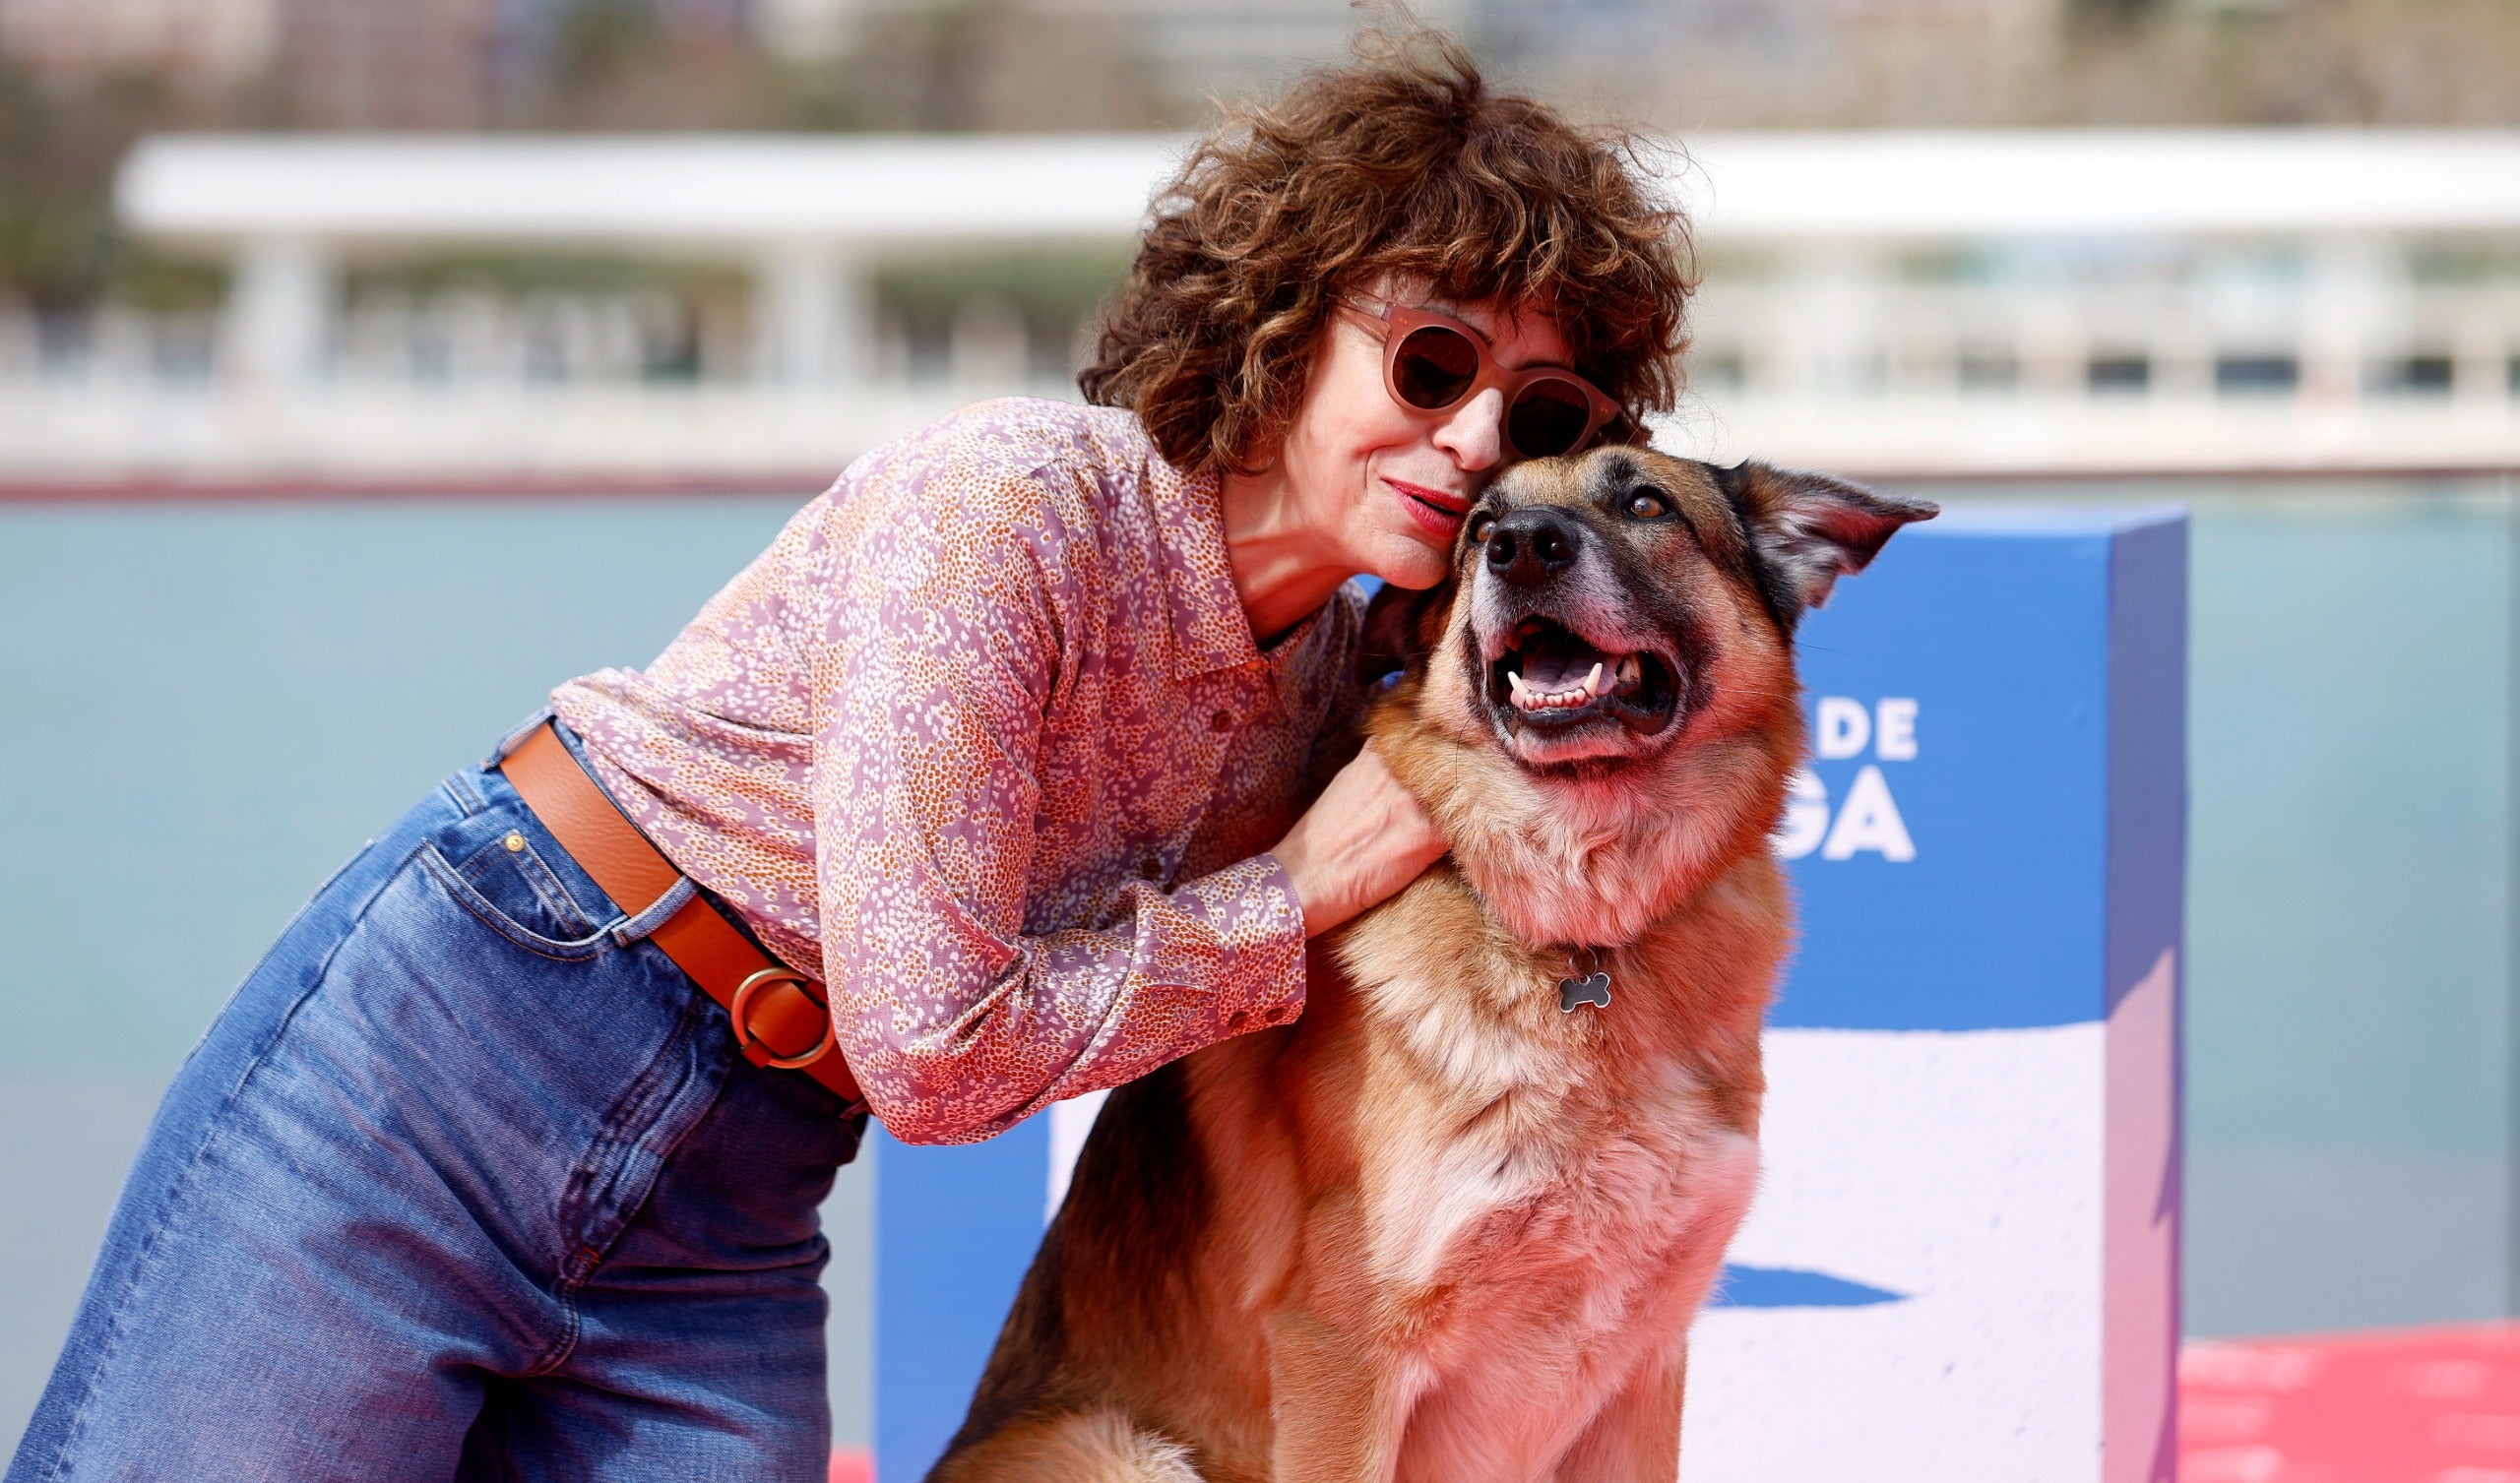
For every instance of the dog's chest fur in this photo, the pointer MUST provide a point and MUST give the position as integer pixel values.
(1546, 1194)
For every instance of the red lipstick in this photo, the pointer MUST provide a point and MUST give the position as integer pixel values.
(1436, 512)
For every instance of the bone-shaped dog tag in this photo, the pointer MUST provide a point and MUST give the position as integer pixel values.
(1594, 989)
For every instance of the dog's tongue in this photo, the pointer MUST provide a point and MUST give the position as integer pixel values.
(1558, 661)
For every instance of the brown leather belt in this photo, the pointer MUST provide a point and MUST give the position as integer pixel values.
(780, 1017)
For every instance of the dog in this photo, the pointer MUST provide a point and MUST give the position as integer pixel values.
(1454, 1222)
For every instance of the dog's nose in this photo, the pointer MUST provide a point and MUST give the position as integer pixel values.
(1532, 545)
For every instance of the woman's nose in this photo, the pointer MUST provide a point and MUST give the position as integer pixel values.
(1475, 434)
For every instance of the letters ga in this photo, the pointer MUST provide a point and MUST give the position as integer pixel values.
(1867, 818)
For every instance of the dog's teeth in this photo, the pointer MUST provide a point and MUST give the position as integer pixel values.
(1521, 691)
(1593, 681)
(1630, 671)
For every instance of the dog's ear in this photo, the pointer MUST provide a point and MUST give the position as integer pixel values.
(1810, 530)
(1402, 628)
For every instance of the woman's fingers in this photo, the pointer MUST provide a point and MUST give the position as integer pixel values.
(1362, 840)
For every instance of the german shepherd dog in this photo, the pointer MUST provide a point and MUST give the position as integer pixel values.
(1454, 1222)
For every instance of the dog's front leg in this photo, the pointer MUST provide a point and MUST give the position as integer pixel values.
(1339, 1404)
(1636, 1438)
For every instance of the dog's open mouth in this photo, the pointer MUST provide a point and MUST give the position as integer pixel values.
(1551, 678)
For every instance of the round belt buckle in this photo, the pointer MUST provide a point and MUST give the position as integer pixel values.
(743, 1027)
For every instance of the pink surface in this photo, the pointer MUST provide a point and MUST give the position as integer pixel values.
(849, 1465)
(2140, 1229)
(2413, 1405)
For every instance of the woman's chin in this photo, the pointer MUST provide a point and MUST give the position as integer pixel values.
(1408, 561)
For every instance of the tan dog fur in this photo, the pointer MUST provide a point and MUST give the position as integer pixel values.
(1438, 1229)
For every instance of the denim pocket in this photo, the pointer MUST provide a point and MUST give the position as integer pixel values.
(514, 896)
(496, 867)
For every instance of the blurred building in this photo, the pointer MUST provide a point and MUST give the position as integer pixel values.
(1196, 42)
(469, 64)
(198, 43)
(366, 64)
(1746, 58)
(392, 64)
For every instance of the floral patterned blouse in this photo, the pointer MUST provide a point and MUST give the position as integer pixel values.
(983, 741)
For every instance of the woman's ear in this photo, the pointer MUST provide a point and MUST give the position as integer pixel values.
(1811, 528)
(1402, 628)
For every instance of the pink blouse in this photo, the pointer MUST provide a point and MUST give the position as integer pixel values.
(983, 742)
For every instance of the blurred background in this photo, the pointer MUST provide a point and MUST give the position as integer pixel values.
(367, 367)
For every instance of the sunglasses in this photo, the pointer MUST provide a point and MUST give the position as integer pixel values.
(1433, 362)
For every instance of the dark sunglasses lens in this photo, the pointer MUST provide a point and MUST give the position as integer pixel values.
(1433, 367)
(1546, 419)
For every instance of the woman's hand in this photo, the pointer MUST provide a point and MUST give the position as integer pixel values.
(1362, 840)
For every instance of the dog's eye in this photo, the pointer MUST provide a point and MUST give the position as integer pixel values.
(1645, 504)
(1480, 525)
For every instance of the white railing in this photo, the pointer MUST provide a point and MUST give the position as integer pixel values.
(1888, 301)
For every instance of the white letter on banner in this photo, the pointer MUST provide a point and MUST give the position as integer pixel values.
(1895, 738)
(1870, 821)
(1844, 727)
(1806, 815)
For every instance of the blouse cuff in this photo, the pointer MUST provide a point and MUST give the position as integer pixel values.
(1245, 947)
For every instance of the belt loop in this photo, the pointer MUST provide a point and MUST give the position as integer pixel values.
(516, 738)
(657, 914)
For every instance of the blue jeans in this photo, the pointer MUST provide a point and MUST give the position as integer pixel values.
(460, 1185)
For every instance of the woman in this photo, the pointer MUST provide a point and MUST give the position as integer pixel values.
(1007, 741)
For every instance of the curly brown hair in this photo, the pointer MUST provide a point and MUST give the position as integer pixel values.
(1402, 163)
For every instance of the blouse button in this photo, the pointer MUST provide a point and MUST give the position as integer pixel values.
(1150, 869)
(1223, 720)
(1238, 1022)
